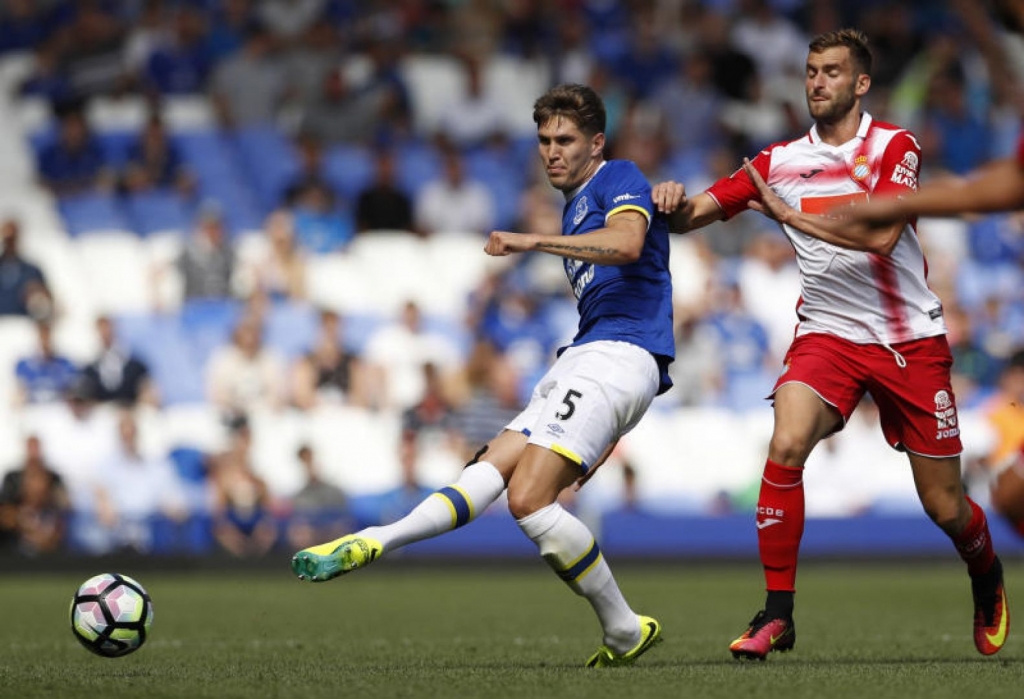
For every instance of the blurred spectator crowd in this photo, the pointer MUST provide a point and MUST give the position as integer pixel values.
(243, 298)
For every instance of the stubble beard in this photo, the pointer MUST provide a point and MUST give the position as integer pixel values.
(833, 111)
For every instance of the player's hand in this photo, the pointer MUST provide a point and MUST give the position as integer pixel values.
(501, 243)
(770, 205)
(669, 196)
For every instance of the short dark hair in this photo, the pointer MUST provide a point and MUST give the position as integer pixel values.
(853, 39)
(577, 103)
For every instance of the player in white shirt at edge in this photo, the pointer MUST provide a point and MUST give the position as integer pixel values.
(867, 322)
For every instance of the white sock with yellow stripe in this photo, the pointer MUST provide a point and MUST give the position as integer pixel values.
(478, 486)
(569, 548)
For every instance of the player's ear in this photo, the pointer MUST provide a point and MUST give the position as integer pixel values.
(597, 144)
(863, 84)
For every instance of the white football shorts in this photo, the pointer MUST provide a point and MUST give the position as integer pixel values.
(592, 395)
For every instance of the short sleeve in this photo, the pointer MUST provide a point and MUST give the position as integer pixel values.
(900, 165)
(734, 192)
(628, 190)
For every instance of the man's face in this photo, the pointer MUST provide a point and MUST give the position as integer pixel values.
(9, 237)
(569, 156)
(833, 87)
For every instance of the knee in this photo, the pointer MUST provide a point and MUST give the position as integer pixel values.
(789, 448)
(522, 503)
(948, 510)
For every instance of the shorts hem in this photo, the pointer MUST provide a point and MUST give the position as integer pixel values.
(904, 448)
(826, 401)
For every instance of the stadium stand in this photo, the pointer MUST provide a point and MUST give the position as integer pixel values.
(107, 252)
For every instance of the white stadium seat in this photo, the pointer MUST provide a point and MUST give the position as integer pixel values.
(336, 281)
(117, 269)
(357, 449)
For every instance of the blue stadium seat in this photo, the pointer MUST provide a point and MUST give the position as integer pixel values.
(269, 159)
(83, 213)
(221, 178)
(159, 341)
(189, 463)
(192, 536)
(524, 150)
(39, 140)
(158, 211)
(201, 314)
(116, 146)
(686, 164)
(358, 328)
(242, 212)
(418, 163)
(486, 164)
(349, 169)
(452, 328)
(291, 328)
(503, 179)
(206, 324)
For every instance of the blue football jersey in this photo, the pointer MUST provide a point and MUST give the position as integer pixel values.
(628, 303)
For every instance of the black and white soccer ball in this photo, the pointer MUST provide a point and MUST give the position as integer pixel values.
(111, 615)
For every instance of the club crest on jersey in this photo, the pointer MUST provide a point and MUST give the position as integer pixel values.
(860, 171)
(581, 211)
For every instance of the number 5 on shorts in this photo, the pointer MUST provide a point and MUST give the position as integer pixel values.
(570, 406)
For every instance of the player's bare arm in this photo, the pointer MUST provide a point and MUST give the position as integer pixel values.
(998, 186)
(684, 214)
(837, 231)
(620, 242)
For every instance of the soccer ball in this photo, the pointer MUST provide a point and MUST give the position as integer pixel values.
(111, 615)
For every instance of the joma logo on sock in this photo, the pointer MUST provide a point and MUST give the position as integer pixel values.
(772, 516)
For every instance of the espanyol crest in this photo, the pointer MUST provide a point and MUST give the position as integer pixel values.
(861, 170)
(581, 211)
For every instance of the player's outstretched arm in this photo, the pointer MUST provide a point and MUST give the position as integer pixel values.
(837, 231)
(998, 186)
(684, 214)
(620, 242)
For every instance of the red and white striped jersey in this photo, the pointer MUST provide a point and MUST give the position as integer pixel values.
(859, 296)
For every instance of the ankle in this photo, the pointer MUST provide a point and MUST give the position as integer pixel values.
(621, 640)
(779, 604)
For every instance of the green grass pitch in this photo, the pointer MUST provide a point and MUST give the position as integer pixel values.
(865, 630)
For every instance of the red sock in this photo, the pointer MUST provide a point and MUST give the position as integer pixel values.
(974, 543)
(780, 524)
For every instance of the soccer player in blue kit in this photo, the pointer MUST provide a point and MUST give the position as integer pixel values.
(615, 254)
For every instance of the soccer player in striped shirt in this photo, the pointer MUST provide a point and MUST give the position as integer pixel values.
(867, 322)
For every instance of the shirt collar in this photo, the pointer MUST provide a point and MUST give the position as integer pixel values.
(862, 130)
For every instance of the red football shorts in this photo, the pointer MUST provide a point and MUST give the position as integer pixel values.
(915, 402)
